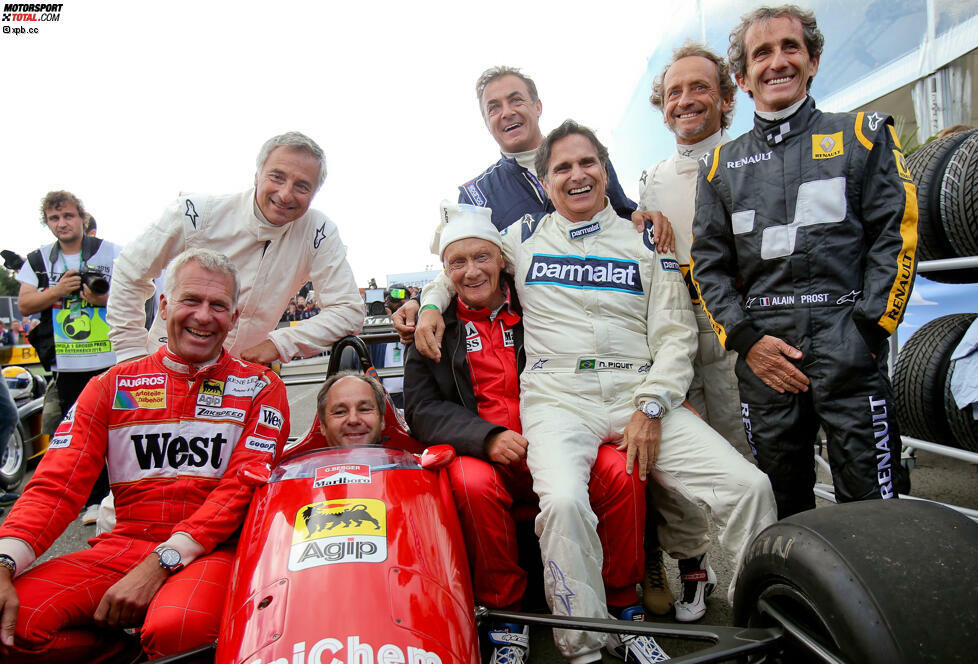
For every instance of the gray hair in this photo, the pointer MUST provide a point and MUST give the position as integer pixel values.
(209, 260)
(494, 73)
(569, 127)
(737, 51)
(293, 140)
(380, 394)
(728, 90)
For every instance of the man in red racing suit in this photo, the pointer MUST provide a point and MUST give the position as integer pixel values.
(180, 431)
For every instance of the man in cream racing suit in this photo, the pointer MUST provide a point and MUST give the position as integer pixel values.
(179, 431)
(804, 251)
(276, 242)
(695, 94)
(609, 339)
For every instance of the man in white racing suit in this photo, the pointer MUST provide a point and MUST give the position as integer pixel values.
(695, 94)
(276, 242)
(609, 338)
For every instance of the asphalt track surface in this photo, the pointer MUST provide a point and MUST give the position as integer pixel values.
(934, 477)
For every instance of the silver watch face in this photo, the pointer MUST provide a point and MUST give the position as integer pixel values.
(652, 409)
(169, 558)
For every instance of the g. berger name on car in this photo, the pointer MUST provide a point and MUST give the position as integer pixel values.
(588, 272)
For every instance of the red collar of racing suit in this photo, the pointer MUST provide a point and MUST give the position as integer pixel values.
(505, 312)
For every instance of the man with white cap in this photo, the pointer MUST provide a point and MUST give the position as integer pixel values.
(610, 337)
(472, 402)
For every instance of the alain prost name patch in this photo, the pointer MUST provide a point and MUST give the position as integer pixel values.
(587, 273)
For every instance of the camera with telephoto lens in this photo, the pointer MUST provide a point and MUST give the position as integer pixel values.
(96, 282)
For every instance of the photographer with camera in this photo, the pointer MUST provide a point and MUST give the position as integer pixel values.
(68, 283)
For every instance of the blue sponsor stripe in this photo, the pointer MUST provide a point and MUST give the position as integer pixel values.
(609, 288)
(584, 258)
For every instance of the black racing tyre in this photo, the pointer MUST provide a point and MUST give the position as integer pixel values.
(921, 372)
(964, 427)
(13, 459)
(872, 582)
(927, 165)
(959, 198)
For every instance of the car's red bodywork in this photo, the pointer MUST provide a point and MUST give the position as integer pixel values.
(351, 556)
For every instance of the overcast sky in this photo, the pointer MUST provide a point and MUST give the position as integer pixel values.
(127, 104)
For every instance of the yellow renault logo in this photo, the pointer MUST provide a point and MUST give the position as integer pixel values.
(826, 146)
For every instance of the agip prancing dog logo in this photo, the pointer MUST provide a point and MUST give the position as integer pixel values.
(339, 531)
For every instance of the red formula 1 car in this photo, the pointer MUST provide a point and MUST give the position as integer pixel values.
(355, 556)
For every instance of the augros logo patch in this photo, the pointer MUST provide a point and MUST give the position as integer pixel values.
(142, 391)
(588, 272)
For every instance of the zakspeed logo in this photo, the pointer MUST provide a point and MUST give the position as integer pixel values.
(881, 432)
(160, 450)
(339, 531)
(143, 391)
(356, 653)
(208, 413)
(587, 273)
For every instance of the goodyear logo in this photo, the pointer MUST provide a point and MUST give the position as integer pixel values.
(827, 146)
(585, 273)
(144, 391)
(901, 164)
(339, 531)
(259, 444)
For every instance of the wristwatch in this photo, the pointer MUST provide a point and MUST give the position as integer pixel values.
(9, 563)
(170, 558)
(652, 409)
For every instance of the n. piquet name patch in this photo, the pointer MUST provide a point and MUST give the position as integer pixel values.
(588, 272)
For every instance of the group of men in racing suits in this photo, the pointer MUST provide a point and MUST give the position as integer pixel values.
(779, 212)
(610, 343)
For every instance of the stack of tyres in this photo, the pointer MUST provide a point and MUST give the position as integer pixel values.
(921, 385)
(945, 172)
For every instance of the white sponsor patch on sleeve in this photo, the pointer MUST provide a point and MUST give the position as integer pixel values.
(59, 442)
(259, 444)
(271, 417)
